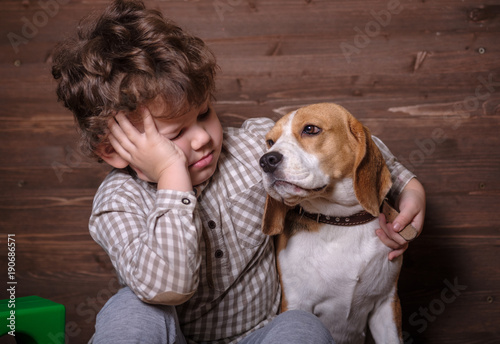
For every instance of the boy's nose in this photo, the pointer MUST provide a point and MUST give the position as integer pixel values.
(200, 138)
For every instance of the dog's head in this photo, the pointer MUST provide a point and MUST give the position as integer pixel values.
(311, 149)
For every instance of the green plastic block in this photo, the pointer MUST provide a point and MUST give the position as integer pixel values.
(36, 320)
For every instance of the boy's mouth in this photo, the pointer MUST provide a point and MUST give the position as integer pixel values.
(203, 162)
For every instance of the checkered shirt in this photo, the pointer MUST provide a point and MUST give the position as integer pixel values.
(202, 250)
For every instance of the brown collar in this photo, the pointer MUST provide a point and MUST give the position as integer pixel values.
(346, 221)
(408, 233)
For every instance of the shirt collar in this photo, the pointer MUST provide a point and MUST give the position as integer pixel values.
(198, 189)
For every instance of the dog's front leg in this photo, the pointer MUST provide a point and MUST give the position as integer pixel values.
(385, 321)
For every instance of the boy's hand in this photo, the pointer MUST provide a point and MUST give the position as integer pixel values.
(412, 210)
(154, 157)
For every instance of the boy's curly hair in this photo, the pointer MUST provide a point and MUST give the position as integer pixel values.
(124, 58)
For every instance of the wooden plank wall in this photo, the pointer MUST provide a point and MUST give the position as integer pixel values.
(424, 75)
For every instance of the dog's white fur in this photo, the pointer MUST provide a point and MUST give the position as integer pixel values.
(341, 274)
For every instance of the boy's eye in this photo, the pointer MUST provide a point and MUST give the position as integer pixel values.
(204, 115)
(201, 117)
(177, 136)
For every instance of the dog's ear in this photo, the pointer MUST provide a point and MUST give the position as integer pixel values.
(273, 222)
(372, 179)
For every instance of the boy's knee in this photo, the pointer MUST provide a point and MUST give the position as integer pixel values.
(126, 319)
(303, 326)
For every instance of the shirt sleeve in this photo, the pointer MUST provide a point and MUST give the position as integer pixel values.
(400, 175)
(154, 248)
(258, 126)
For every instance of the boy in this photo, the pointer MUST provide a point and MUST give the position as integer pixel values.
(180, 214)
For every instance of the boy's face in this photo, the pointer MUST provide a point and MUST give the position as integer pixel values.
(198, 133)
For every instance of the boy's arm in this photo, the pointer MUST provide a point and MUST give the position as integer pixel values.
(400, 175)
(155, 253)
(408, 195)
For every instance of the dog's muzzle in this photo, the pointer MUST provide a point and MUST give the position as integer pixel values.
(270, 161)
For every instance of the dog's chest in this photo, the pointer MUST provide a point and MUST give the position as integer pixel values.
(336, 270)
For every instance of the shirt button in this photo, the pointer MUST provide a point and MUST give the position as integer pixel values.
(211, 224)
(186, 201)
(219, 254)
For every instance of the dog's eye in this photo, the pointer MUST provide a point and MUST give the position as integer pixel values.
(311, 130)
(270, 143)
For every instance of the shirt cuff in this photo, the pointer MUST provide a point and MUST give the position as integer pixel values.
(178, 200)
(400, 178)
(400, 175)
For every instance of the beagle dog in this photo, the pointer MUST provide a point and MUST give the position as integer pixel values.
(326, 181)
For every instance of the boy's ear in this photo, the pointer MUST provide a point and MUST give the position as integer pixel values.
(111, 157)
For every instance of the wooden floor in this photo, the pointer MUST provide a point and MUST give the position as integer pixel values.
(423, 75)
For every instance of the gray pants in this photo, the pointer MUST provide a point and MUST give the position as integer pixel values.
(125, 319)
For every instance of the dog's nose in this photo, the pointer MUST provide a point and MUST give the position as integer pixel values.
(270, 161)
